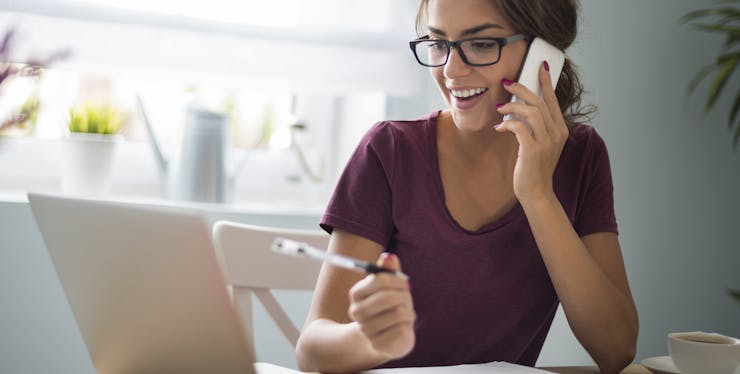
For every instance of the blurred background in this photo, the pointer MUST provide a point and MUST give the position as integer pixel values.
(299, 82)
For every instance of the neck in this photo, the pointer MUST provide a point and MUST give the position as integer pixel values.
(486, 146)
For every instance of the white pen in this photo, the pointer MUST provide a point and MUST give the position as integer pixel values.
(294, 248)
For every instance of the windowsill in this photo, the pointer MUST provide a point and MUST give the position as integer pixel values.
(268, 184)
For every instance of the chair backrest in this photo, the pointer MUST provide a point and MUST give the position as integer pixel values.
(252, 268)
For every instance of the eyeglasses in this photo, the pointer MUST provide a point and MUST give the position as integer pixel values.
(473, 51)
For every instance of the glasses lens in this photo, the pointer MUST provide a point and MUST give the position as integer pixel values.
(481, 51)
(431, 52)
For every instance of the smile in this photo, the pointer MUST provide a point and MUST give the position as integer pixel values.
(467, 94)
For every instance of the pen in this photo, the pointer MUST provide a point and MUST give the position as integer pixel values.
(294, 248)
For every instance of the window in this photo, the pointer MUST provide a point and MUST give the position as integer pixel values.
(256, 59)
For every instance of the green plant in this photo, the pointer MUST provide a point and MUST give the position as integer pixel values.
(723, 18)
(95, 119)
(735, 294)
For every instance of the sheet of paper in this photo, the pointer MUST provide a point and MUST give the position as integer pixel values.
(487, 368)
(495, 367)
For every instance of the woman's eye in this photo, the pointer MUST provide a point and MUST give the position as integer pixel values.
(484, 45)
(439, 45)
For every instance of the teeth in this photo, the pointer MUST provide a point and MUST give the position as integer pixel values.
(467, 93)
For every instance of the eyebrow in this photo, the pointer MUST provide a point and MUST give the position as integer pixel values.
(470, 31)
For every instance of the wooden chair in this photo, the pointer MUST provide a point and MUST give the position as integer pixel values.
(252, 268)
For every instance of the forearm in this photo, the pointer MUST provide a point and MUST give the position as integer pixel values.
(330, 347)
(602, 316)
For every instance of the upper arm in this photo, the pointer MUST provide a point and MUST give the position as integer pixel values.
(331, 296)
(606, 252)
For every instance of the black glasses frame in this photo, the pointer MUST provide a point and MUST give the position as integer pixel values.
(502, 42)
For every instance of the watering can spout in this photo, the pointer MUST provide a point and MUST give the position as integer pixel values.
(162, 163)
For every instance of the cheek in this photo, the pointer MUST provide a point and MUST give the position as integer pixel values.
(438, 76)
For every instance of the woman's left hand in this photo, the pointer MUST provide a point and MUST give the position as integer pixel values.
(541, 132)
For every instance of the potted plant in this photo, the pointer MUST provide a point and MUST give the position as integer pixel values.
(724, 19)
(89, 148)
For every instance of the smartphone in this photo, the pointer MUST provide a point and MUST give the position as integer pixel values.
(539, 51)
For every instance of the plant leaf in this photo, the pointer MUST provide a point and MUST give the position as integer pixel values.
(717, 28)
(699, 13)
(735, 294)
(700, 77)
(723, 58)
(719, 82)
(735, 109)
(727, 13)
(735, 138)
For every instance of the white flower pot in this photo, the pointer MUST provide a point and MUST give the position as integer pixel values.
(86, 161)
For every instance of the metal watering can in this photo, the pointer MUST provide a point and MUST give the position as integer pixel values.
(198, 172)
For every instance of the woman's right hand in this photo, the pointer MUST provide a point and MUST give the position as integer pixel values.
(381, 305)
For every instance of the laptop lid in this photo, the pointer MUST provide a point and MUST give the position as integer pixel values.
(144, 286)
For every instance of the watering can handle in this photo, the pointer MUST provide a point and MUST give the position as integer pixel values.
(161, 160)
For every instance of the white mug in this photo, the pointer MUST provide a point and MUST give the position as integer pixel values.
(699, 352)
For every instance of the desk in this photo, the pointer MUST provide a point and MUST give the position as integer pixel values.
(632, 369)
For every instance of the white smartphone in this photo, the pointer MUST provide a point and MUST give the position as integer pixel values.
(539, 51)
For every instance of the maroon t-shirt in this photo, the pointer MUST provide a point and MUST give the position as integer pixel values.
(479, 296)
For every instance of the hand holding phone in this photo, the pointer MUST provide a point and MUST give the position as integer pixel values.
(539, 51)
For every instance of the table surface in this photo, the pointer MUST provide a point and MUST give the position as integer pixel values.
(632, 369)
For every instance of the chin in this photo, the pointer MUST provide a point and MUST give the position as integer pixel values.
(473, 121)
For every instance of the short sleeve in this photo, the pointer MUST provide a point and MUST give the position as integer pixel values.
(596, 211)
(362, 200)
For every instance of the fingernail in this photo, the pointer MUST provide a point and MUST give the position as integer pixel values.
(507, 82)
(547, 66)
(497, 125)
(386, 259)
(499, 105)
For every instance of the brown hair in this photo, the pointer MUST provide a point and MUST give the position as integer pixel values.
(555, 21)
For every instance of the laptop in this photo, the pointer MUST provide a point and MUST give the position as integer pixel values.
(144, 285)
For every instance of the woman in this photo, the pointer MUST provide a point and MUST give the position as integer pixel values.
(494, 221)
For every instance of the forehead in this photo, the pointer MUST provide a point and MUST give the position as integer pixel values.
(453, 16)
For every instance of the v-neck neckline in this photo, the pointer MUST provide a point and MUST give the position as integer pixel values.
(513, 213)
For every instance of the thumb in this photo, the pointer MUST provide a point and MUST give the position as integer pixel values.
(389, 261)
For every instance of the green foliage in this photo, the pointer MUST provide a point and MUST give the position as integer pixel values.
(95, 119)
(723, 18)
(735, 294)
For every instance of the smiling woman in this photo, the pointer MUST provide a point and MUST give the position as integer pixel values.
(496, 221)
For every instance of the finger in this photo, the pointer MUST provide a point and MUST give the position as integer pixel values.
(532, 115)
(528, 97)
(389, 261)
(378, 303)
(378, 324)
(549, 96)
(374, 283)
(521, 91)
(521, 131)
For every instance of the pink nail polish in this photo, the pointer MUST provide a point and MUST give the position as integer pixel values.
(507, 82)
(547, 66)
(499, 105)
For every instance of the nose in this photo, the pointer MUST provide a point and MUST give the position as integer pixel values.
(455, 66)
